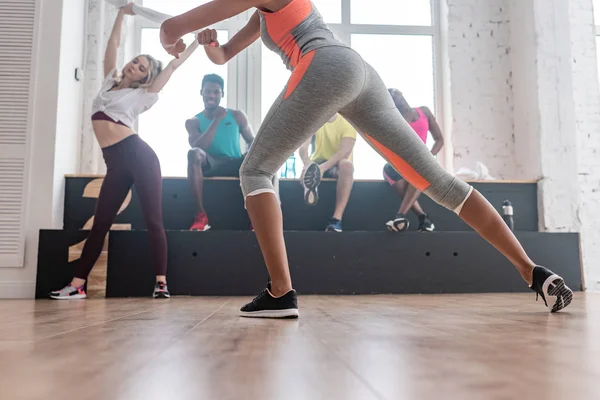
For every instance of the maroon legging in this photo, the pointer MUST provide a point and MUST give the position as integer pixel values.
(131, 161)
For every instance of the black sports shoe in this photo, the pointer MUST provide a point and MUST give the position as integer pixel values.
(425, 224)
(161, 291)
(552, 288)
(311, 181)
(398, 224)
(266, 306)
(335, 225)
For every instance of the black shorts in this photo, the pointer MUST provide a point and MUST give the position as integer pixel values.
(330, 173)
(391, 175)
(222, 166)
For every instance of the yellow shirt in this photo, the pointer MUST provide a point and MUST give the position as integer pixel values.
(329, 138)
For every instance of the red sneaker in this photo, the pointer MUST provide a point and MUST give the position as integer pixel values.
(200, 223)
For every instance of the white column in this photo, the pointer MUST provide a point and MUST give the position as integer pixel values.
(480, 85)
(100, 20)
(587, 120)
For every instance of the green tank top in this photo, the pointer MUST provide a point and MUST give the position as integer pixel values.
(227, 138)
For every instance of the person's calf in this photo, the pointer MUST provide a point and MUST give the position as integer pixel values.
(196, 158)
(345, 171)
(78, 282)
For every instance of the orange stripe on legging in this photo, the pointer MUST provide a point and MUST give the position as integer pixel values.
(404, 168)
(282, 22)
(298, 74)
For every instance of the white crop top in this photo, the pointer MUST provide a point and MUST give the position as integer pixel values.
(123, 105)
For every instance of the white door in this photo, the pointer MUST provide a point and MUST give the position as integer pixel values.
(17, 21)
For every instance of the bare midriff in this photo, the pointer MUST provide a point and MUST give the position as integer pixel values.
(109, 133)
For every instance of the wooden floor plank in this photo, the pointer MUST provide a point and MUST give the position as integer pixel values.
(495, 346)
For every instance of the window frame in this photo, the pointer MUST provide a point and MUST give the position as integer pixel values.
(244, 89)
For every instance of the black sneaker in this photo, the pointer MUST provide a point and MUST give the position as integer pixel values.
(425, 224)
(266, 306)
(161, 291)
(335, 225)
(552, 288)
(311, 181)
(398, 224)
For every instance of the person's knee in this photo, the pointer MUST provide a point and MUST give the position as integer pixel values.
(254, 180)
(450, 193)
(196, 156)
(345, 169)
(101, 227)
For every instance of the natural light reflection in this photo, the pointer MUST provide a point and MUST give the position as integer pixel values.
(391, 12)
(163, 126)
(172, 7)
(330, 10)
(408, 68)
(403, 61)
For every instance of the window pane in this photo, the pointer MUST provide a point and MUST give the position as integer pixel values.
(331, 10)
(274, 77)
(163, 126)
(391, 12)
(598, 53)
(409, 68)
(173, 7)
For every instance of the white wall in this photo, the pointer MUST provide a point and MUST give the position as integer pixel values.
(481, 85)
(526, 113)
(587, 119)
(70, 97)
(19, 282)
(101, 17)
(54, 109)
(548, 127)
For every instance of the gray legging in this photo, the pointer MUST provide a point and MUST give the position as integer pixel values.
(336, 79)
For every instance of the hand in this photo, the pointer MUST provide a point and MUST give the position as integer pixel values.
(306, 164)
(208, 37)
(323, 169)
(128, 9)
(220, 113)
(172, 44)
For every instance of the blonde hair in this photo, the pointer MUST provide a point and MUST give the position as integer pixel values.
(153, 71)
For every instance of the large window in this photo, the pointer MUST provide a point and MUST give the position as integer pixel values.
(596, 4)
(411, 71)
(399, 43)
(163, 126)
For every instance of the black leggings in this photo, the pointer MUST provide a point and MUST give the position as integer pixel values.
(131, 161)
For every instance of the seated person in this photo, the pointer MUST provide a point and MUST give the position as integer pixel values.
(332, 158)
(214, 136)
(421, 119)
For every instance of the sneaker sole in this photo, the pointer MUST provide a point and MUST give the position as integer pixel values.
(332, 230)
(393, 225)
(430, 229)
(311, 181)
(207, 227)
(161, 296)
(282, 314)
(558, 295)
(75, 297)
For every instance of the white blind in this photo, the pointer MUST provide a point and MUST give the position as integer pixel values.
(17, 19)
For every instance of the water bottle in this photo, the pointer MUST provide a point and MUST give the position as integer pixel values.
(507, 214)
(290, 167)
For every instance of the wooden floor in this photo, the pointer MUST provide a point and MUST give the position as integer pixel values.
(361, 347)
